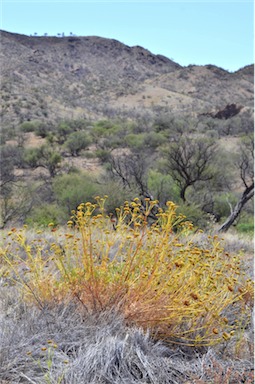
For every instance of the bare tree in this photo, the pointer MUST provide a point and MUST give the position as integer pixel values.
(132, 170)
(15, 194)
(16, 202)
(188, 161)
(245, 165)
(7, 165)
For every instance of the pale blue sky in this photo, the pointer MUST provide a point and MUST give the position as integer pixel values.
(190, 32)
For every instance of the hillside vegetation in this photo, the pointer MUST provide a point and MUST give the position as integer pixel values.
(126, 199)
(107, 117)
(54, 79)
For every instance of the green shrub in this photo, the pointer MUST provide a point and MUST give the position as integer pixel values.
(162, 187)
(45, 156)
(116, 195)
(29, 126)
(70, 189)
(135, 141)
(246, 224)
(44, 215)
(194, 214)
(222, 204)
(43, 129)
(62, 131)
(105, 128)
(154, 139)
(77, 141)
(103, 155)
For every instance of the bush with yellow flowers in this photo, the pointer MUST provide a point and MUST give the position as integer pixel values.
(153, 273)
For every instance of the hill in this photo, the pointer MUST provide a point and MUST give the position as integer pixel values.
(127, 117)
(54, 78)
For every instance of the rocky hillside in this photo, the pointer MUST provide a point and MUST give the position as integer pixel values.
(92, 77)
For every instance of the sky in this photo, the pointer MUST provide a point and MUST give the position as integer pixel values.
(198, 32)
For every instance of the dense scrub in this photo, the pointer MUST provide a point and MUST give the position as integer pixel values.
(191, 161)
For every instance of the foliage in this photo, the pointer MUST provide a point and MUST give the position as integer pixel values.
(194, 214)
(154, 140)
(77, 141)
(246, 224)
(162, 187)
(116, 194)
(135, 141)
(151, 157)
(44, 215)
(29, 126)
(43, 129)
(44, 156)
(108, 134)
(155, 276)
(103, 154)
(62, 131)
(70, 189)
(223, 204)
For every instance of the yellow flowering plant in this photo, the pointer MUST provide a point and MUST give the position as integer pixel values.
(154, 273)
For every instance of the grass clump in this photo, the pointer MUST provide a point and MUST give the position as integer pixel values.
(153, 274)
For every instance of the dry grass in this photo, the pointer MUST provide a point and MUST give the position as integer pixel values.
(64, 345)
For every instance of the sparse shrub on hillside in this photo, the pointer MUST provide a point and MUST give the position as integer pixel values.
(129, 150)
(155, 276)
(116, 194)
(108, 135)
(162, 187)
(246, 224)
(195, 214)
(64, 128)
(104, 128)
(10, 155)
(223, 204)
(80, 124)
(29, 126)
(103, 154)
(62, 131)
(43, 215)
(135, 141)
(154, 140)
(44, 156)
(70, 189)
(43, 129)
(77, 141)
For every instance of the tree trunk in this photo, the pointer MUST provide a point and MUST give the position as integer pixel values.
(182, 193)
(246, 196)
